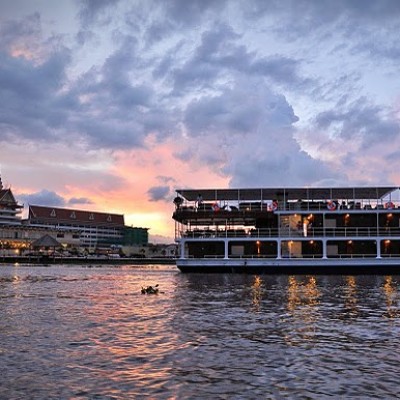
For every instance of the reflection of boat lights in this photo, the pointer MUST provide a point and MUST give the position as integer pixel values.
(350, 295)
(257, 292)
(303, 298)
(302, 293)
(391, 297)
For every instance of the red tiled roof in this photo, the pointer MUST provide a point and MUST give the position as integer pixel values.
(54, 215)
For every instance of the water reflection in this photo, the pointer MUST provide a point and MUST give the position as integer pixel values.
(350, 297)
(302, 304)
(257, 293)
(90, 333)
(391, 293)
(302, 292)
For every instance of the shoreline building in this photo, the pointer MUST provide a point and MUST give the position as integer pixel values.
(79, 229)
(95, 230)
(9, 208)
(15, 236)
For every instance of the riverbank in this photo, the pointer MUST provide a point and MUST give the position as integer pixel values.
(41, 259)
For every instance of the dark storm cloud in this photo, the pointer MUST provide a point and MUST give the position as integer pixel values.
(191, 69)
(321, 12)
(102, 108)
(360, 121)
(190, 12)
(125, 114)
(29, 94)
(79, 200)
(166, 179)
(95, 10)
(220, 52)
(43, 198)
(247, 133)
(158, 193)
(28, 29)
(353, 27)
(280, 69)
(293, 168)
(243, 109)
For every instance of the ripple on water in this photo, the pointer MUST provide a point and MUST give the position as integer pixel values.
(75, 332)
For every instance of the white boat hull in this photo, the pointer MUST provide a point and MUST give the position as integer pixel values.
(342, 266)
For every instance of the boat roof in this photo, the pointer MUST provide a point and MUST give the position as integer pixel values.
(293, 193)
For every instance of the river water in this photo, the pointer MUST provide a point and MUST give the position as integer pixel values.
(75, 332)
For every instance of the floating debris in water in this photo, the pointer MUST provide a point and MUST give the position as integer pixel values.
(150, 290)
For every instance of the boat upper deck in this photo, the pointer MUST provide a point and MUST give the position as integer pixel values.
(245, 205)
(286, 194)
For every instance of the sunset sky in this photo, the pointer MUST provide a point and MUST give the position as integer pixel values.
(112, 105)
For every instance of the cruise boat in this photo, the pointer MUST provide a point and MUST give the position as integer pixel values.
(337, 230)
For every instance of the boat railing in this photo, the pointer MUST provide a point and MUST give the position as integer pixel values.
(263, 233)
(354, 255)
(252, 256)
(272, 206)
(295, 257)
(213, 256)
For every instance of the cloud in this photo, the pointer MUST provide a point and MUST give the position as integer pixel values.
(35, 89)
(363, 122)
(23, 38)
(221, 54)
(248, 107)
(288, 92)
(92, 11)
(188, 12)
(79, 200)
(247, 133)
(166, 179)
(157, 193)
(102, 108)
(43, 198)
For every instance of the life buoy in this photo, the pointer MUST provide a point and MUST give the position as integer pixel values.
(331, 205)
(274, 206)
(389, 205)
(215, 206)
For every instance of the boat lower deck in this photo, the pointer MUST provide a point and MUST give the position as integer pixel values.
(352, 266)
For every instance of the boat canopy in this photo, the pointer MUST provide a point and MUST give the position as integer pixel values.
(287, 194)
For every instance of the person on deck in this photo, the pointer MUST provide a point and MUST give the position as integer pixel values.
(199, 201)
